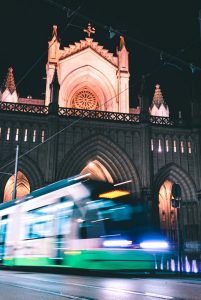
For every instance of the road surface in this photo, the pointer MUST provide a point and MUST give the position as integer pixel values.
(18, 285)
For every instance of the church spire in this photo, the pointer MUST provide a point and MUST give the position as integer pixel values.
(10, 81)
(9, 93)
(158, 97)
(54, 98)
(159, 107)
(122, 43)
(122, 54)
(54, 32)
(53, 46)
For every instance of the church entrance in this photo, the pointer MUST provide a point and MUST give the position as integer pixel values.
(22, 189)
(97, 171)
(167, 213)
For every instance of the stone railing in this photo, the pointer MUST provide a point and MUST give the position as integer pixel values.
(23, 108)
(84, 114)
(98, 115)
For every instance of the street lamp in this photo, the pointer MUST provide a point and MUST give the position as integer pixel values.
(176, 203)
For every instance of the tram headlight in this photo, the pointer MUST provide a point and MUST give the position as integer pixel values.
(156, 245)
(117, 243)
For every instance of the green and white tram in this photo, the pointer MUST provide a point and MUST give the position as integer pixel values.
(73, 223)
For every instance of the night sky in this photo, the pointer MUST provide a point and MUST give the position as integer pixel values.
(149, 27)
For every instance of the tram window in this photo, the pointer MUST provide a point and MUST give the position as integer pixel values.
(105, 217)
(3, 227)
(38, 224)
(83, 231)
(64, 217)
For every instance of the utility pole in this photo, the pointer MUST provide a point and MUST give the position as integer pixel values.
(176, 203)
(179, 238)
(15, 175)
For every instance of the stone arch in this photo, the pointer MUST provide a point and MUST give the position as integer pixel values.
(110, 155)
(22, 187)
(189, 204)
(97, 171)
(25, 165)
(167, 213)
(176, 174)
(95, 80)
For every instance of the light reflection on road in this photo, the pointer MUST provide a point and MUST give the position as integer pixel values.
(93, 287)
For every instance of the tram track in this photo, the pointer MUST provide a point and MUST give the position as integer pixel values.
(117, 291)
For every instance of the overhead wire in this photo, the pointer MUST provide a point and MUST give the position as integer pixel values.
(72, 15)
(119, 32)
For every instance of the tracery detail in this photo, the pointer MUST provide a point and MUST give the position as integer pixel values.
(85, 98)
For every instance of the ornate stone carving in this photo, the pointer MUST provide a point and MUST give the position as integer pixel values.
(85, 98)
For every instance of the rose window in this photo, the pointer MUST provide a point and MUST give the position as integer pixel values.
(85, 99)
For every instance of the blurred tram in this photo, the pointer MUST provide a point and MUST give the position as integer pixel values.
(73, 223)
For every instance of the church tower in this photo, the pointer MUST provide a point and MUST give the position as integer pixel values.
(90, 77)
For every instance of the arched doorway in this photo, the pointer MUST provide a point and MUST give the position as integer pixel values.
(22, 188)
(167, 214)
(110, 163)
(97, 171)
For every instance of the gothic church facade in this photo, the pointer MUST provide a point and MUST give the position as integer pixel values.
(85, 125)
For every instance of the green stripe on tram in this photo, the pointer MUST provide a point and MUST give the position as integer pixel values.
(109, 260)
(92, 259)
(28, 261)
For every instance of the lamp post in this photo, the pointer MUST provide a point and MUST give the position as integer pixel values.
(15, 175)
(176, 203)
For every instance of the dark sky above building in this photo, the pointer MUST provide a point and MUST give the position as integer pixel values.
(152, 29)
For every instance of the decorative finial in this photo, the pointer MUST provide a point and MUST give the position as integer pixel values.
(122, 42)
(10, 82)
(89, 30)
(158, 97)
(54, 31)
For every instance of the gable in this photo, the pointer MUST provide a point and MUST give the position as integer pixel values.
(84, 44)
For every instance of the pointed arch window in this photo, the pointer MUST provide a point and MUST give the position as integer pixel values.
(25, 135)
(174, 145)
(34, 136)
(8, 134)
(17, 135)
(152, 145)
(42, 136)
(189, 147)
(167, 145)
(159, 146)
(182, 146)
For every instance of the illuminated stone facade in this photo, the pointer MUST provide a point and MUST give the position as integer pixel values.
(59, 139)
(88, 66)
